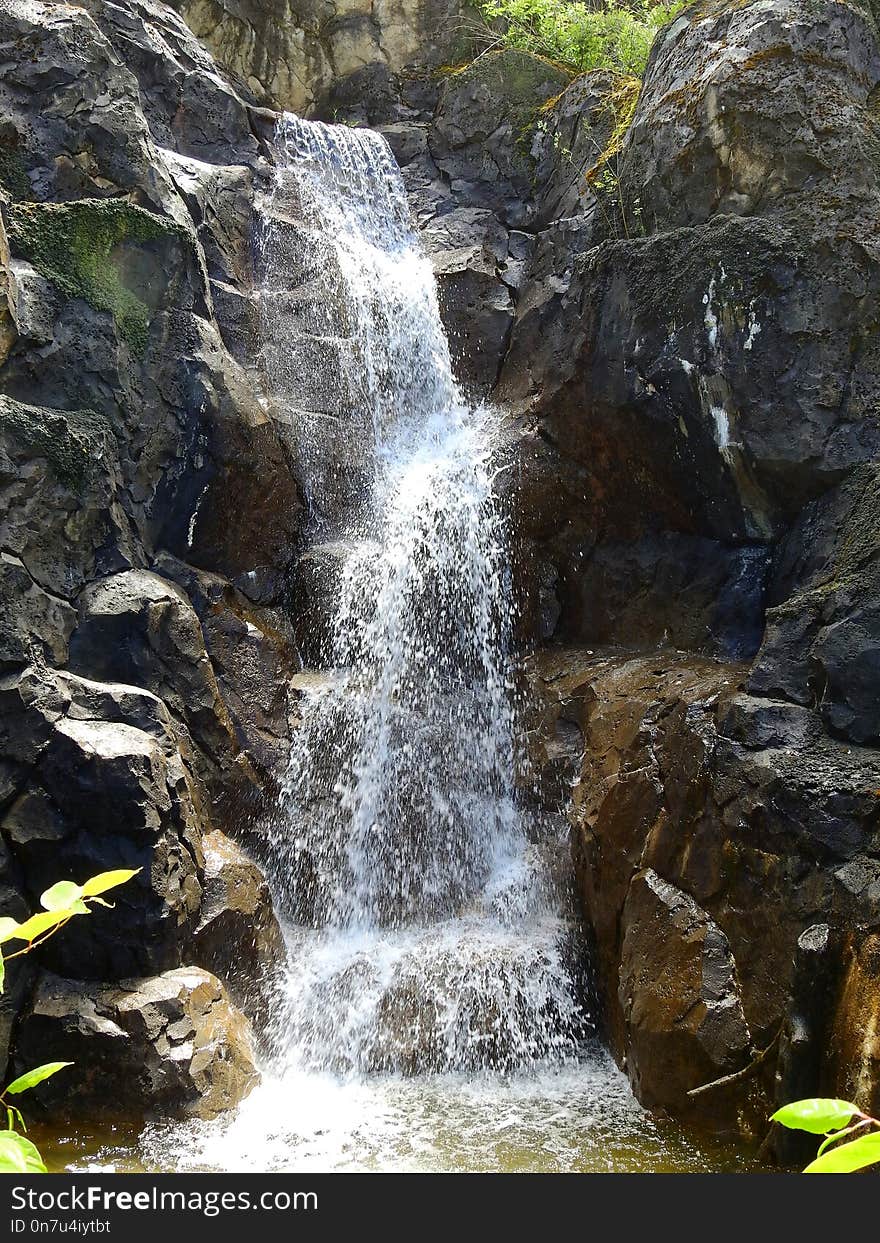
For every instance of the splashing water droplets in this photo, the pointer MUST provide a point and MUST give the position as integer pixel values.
(428, 931)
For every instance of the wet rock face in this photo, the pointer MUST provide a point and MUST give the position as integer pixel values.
(238, 936)
(714, 832)
(169, 1045)
(148, 517)
(694, 355)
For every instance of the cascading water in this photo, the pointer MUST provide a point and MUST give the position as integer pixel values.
(431, 1016)
(434, 937)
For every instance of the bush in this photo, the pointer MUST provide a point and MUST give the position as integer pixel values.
(616, 37)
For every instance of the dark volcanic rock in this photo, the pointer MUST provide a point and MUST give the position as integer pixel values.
(102, 782)
(710, 367)
(132, 440)
(822, 643)
(754, 826)
(238, 936)
(172, 1044)
(482, 132)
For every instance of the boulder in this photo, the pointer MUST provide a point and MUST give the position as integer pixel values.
(238, 937)
(706, 819)
(171, 1044)
(679, 994)
(140, 629)
(96, 776)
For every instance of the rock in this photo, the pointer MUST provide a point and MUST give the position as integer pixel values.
(669, 588)
(760, 825)
(821, 647)
(108, 793)
(482, 131)
(140, 629)
(238, 936)
(679, 994)
(469, 250)
(172, 1044)
(39, 624)
(61, 520)
(572, 135)
(253, 653)
(697, 363)
(852, 1062)
(298, 57)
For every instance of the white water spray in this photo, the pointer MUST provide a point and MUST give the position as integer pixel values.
(428, 932)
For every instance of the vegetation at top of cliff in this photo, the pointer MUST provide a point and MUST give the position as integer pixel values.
(72, 245)
(580, 36)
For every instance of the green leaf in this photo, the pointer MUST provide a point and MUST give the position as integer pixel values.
(858, 1154)
(31, 1078)
(8, 928)
(107, 880)
(818, 1115)
(18, 1155)
(61, 896)
(40, 923)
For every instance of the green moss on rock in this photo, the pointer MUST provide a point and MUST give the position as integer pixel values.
(67, 439)
(72, 245)
(13, 175)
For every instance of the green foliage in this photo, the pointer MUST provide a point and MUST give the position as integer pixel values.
(617, 36)
(817, 1115)
(72, 245)
(60, 903)
(31, 1078)
(18, 1155)
(838, 1154)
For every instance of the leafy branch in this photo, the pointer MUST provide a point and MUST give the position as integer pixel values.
(60, 903)
(838, 1121)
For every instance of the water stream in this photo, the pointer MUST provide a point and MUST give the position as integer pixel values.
(434, 1013)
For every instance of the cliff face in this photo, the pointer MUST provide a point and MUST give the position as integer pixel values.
(696, 402)
(681, 329)
(148, 513)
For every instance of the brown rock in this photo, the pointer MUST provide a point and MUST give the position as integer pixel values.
(238, 936)
(171, 1044)
(679, 994)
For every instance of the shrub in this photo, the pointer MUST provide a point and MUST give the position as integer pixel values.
(617, 36)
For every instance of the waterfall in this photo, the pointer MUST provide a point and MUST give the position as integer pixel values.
(427, 922)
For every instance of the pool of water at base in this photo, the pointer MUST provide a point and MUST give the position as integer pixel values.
(581, 1119)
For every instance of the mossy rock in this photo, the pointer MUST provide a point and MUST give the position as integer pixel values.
(13, 175)
(69, 440)
(518, 83)
(73, 245)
